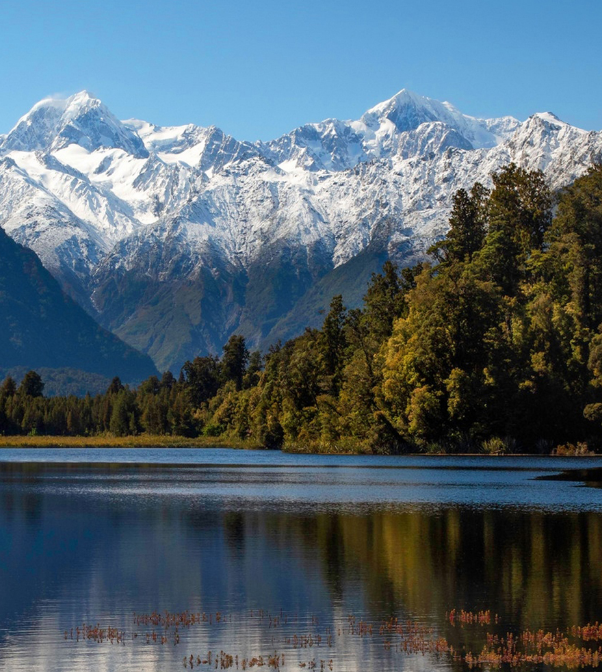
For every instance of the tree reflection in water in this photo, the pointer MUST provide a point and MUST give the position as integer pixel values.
(94, 547)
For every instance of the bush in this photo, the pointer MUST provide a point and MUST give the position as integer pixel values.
(572, 450)
(495, 446)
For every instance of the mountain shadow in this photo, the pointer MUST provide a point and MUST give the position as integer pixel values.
(40, 326)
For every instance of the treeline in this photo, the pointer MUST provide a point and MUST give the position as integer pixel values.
(494, 346)
(158, 406)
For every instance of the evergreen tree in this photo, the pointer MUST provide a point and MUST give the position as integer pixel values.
(201, 378)
(234, 360)
(519, 213)
(576, 243)
(468, 225)
(9, 388)
(122, 420)
(115, 387)
(167, 380)
(31, 385)
(383, 302)
(254, 367)
(333, 342)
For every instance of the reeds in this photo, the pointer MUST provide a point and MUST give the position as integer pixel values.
(472, 617)
(572, 648)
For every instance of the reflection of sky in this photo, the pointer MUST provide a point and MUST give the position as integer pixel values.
(256, 478)
(229, 456)
(96, 544)
(160, 557)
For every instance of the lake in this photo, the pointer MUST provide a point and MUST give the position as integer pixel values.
(150, 559)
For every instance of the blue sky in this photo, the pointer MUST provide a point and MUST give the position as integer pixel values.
(258, 68)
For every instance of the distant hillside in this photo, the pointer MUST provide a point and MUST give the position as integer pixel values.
(62, 382)
(40, 326)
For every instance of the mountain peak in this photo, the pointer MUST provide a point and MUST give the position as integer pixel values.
(53, 108)
(407, 110)
(84, 94)
(405, 96)
(82, 119)
(82, 100)
(548, 117)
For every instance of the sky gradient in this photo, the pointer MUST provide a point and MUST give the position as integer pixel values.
(259, 69)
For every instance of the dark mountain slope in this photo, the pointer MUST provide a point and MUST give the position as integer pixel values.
(40, 326)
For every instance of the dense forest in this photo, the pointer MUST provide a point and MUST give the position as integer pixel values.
(494, 346)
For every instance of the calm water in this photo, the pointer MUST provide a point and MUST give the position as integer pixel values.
(285, 546)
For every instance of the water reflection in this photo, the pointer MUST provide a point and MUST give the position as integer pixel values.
(95, 544)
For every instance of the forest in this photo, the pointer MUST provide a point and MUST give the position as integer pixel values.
(494, 345)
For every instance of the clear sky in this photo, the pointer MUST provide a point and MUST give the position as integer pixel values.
(258, 68)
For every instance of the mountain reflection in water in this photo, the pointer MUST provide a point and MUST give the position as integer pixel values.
(95, 543)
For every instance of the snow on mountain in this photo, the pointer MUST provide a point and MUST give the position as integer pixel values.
(81, 119)
(176, 236)
(406, 111)
(403, 125)
(191, 145)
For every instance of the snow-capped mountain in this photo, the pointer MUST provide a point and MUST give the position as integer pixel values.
(174, 237)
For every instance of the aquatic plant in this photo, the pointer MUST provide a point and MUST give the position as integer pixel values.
(571, 648)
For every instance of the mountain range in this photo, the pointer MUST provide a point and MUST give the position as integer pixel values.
(173, 238)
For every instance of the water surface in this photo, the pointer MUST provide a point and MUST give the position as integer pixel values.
(283, 546)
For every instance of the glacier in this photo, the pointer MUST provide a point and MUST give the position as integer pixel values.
(176, 237)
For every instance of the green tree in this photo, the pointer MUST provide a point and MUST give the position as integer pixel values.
(253, 371)
(519, 212)
(467, 226)
(576, 245)
(115, 387)
(122, 420)
(436, 361)
(9, 388)
(31, 385)
(332, 345)
(167, 380)
(201, 378)
(384, 302)
(234, 360)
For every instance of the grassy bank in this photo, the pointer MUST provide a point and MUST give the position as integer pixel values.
(340, 447)
(139, 441)
(493, 447)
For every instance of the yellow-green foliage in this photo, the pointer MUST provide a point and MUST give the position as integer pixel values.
(139, 441)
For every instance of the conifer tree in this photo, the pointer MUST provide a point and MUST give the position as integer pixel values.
(234, 360)
(467, 226)
(31, 385)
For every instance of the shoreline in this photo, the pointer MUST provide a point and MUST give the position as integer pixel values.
(143, 441)
(140, 441)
